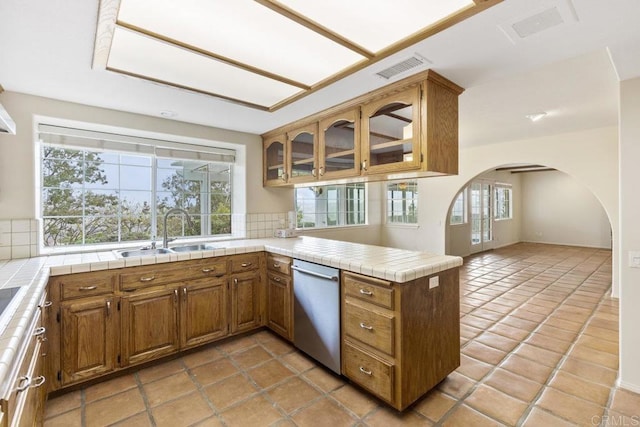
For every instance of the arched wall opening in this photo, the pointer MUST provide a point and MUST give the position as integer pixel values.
(519, 203)
(590, 157)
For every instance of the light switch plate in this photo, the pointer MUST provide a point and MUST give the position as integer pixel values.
(634, 259)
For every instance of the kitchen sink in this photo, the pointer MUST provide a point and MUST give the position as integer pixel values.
(189, 248)
(127, 253)
(143, 252)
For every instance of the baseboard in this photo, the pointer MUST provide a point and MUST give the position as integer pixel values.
(628, 386)
(563, 244)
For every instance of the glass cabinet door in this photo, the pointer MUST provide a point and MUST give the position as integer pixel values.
(302, 153)
(339, 154)
(391, 133)
(275, 172)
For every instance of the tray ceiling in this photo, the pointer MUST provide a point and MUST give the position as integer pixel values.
(263, 54)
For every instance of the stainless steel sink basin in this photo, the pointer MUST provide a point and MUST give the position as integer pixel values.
(189, 248)
(143, 252)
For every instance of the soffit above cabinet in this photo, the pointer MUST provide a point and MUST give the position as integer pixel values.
(264, 53)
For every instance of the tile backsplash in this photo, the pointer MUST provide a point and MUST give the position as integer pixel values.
(18, 238)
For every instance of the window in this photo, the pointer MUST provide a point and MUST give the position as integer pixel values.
(330, 205)
(402, 202)
(120, 192)
(503, 207)
(458, 210)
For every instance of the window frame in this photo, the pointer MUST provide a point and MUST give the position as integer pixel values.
(162, 143)
(464, 216)
(406, 203)
(500, 187)
(344, 202)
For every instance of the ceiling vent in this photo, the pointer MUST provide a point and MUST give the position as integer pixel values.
(413, 63)
(544, 15)
(538, 22)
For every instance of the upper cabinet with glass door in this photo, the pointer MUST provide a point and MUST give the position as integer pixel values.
(274, 161)
(339, 149)
(303, 153)
(390, 133)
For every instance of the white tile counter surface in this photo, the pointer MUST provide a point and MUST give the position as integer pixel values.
(392, 264)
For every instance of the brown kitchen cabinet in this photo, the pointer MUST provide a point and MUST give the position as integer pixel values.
(203, 311)
(89, 331)
(274, 161)
(302, 153)
(22, 401)
(408, 129)
(280, 296)
(400, 339)
(245, 301)
(149, 325)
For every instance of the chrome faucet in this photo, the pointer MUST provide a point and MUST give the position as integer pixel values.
(165, 240)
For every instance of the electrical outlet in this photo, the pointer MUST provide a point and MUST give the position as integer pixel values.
(634, 259)
(434, 282)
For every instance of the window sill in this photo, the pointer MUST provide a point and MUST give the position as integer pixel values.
(338, 227)
(400, 225)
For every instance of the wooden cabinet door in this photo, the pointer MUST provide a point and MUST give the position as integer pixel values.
(89, 338)
(279, 312)
(339, 145)
(274, 157)
(391, 133)
(245, 301)
(303, 153)
(203, 311)
(149, 325)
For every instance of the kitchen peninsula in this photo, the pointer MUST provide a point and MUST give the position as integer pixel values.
(407, 301)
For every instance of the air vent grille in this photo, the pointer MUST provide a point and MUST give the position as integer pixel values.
(402, 67)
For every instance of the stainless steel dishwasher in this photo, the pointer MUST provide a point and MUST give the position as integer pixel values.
(316, 312)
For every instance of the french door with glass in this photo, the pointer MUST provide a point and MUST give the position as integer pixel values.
(480, 205)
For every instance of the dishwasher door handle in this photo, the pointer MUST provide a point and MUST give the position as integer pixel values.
(316, 274)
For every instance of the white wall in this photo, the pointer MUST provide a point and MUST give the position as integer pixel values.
(590, 156)
(557, 209)
(629, 240)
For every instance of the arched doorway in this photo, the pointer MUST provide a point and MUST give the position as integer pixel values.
(524, 203)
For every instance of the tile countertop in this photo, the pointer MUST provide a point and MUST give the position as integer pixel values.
(392, 264)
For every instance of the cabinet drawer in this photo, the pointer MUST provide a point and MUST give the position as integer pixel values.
(141, 278)
(368, 289)
(245, 263)
(372, 328)
(216, 267)
(371, 373)
(86, 285)
(279, 264)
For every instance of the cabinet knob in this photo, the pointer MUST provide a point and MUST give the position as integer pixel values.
(364, 165)
(321, 170)
(313, 172)
(365, 371)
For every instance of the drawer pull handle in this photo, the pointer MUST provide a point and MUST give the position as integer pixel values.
(87, 288)
(366, 372)
(366, 292)
(46, 304)
(39, 381)
(365, 326)
(208, 270)
(39, 331)
(276, 265)
(246, 264)
(147, 279)
(108, 308)
(277, 279)
(24, 383)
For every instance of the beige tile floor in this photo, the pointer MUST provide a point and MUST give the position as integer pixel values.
(539, 346)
